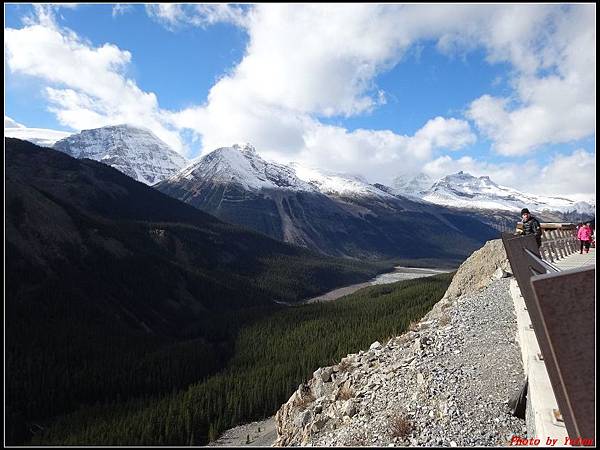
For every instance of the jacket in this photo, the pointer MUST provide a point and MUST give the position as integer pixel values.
(584, 234)
(532, 226)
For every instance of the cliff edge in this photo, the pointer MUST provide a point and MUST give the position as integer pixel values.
(447, 381)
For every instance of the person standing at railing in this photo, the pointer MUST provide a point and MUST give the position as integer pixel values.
(585, 237)
(531, 226)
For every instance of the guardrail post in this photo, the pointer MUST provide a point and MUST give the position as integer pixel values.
(553, 245)
(561, 245)
(561, 306)
(573, 240)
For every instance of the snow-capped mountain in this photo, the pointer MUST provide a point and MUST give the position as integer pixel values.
(333, 213)
(242, 166)
(338, 184)
(413, 186)
(39, 136)
(136, 152)
(463, 190)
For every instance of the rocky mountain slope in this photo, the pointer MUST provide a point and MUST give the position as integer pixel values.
(96, 261)
(331, 213)
(446, 382)
(463, 190)
(136, 152)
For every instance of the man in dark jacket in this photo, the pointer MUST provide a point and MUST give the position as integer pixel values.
(531, 226)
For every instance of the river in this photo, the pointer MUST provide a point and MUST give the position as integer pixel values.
(400, 273)
(249, 434)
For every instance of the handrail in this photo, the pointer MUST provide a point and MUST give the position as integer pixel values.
(550, 268)
(558, 243)
(561, 306)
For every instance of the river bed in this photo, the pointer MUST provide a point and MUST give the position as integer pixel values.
(400, 273)
(249, 434)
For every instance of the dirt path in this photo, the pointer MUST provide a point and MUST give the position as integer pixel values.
(238, 436)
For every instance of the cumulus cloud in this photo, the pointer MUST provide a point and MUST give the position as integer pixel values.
(88, 87)
(305, 63)
(175, 16)
(382, 152)
(553, 52)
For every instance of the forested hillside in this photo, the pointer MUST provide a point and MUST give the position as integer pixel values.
(116, 292)
(271, 357)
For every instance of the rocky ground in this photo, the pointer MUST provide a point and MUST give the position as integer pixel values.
(255, 434)
(445, 383)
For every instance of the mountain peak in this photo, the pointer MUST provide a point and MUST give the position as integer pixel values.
(135, 151)
(242, 165)
(412, 185)
(245, 148)
(463, 190)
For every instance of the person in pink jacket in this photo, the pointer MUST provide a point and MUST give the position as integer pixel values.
(584, 234)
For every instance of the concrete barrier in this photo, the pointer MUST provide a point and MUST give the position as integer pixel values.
(541, 402)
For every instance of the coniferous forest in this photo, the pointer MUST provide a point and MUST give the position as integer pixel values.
(133, 318)
(268, 358)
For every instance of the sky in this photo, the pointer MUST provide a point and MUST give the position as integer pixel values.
(382, 91)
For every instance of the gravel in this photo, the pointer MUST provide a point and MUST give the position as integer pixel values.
(446, 383)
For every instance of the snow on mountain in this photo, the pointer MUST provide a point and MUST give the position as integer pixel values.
(136, 152)
(412, 186)
(336, 183)
(463, 190)
(241, 165)
(39, 136)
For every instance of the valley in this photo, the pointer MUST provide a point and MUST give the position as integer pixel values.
(398, 274)
(256, 224)
(216, 284)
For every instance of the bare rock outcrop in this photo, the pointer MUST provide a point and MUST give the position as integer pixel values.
(485, 265)
(446, 381)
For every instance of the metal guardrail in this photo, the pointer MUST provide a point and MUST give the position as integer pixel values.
(561, 306)
(558, 244)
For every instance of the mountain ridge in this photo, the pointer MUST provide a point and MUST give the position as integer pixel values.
(464, 190)
(329, 213)
(135, 151)
(96, 261)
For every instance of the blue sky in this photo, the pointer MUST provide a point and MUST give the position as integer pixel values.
(180, 67)
(382, 90)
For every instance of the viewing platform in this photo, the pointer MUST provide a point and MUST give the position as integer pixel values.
(577, 260)
(544, 418)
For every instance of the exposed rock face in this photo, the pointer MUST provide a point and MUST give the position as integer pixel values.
(486, 264)
(446, 382)
(333, 214)
(136, 152)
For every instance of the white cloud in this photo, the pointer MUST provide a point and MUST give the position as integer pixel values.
(571, 175)
(121, 8)
(87, 85)
(308, 61)
(11, 123)
(175, 16)
(553, 51)
(379, 154)
(305, 62)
